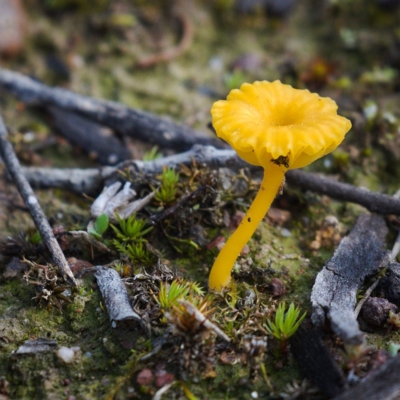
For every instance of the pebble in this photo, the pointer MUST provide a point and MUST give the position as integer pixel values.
(66, 354)
(285, 232)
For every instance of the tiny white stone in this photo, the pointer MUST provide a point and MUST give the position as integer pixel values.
(327, 162)
(66, 354)
(29, 136)
(32, 200)
(285, 232)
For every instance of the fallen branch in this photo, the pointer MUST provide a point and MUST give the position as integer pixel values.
(31, 201)
(91, 181)
(359, 255)
(124, 120)
(372, 201)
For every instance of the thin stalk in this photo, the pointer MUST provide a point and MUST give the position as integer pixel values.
(221, 271)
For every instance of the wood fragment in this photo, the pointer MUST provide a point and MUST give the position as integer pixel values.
(115, 296)
(359, 255)
(123, 120)
(317, 363)
(382, 384)
(36, 346)
(31, 201)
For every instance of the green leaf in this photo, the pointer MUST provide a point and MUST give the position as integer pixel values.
(101, 224)
(94, 233)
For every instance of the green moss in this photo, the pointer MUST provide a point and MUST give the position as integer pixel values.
(184, 89)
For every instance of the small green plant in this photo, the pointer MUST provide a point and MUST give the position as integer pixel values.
(130, 239)
(168, 189)
(99, 227)
(136, 251)
(139, 253)
(130, 229)
(286, 323)
(169, 294)
(34, 238)
(153, 154)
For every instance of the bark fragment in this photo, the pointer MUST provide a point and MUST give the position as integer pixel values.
(359, 255)
(115, 296)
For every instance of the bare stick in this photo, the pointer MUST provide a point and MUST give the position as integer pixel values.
(374, 202)
(127, 121)
(92, 180)
(27, 194)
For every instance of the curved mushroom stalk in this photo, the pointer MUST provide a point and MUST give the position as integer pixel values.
(220, 275)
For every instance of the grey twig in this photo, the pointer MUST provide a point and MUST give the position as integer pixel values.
(92, 180)
(27, 194)
(124, 120)
(372, 201)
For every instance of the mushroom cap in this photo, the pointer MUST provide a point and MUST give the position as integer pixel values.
(272, 122)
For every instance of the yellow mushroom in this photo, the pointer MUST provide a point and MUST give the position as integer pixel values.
(279, 128)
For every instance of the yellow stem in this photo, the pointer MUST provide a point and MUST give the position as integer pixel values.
(221, 271)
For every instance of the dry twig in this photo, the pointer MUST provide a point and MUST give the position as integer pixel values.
(31, 201)
(92, 180)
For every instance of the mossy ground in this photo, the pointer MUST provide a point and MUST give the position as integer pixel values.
(342, 49)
